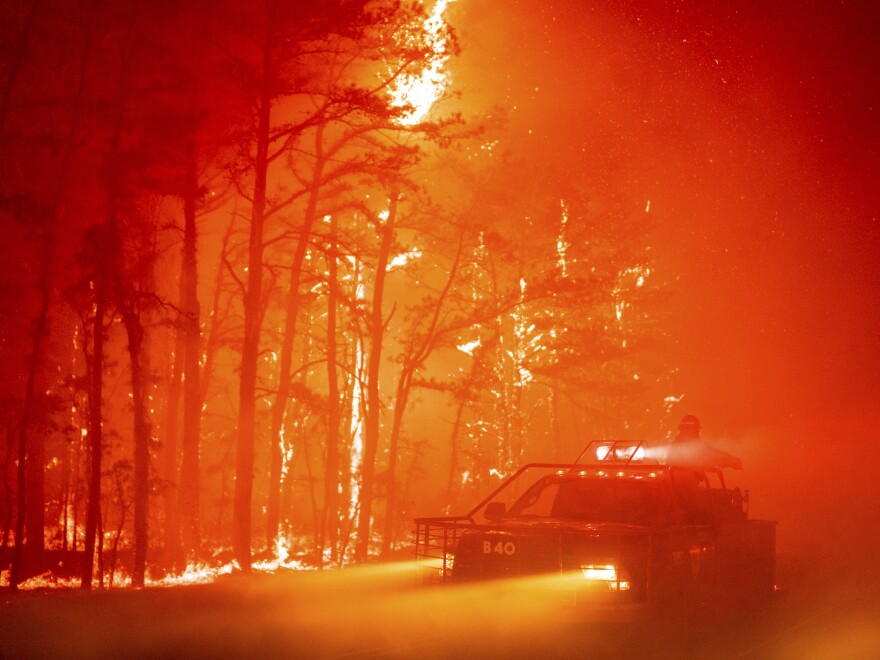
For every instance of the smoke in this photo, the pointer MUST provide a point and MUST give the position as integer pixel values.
(816, 476)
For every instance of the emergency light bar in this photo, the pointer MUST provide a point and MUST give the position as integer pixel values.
(617, 452)
(623, 453)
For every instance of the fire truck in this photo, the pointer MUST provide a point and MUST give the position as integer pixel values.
(623, 536)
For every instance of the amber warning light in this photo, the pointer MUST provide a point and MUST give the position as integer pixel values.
(606, 574)
(608, 452)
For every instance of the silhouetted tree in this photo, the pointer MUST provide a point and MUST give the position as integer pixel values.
(284, 68)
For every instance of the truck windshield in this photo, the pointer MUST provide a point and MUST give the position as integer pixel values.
(603, 500)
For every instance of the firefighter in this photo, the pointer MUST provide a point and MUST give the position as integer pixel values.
(689, 456)
(689, 450)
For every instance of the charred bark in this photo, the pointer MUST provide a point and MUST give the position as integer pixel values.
(9, 495)
(331, 473)
(244, 460)
(192, 396)
(137, 356)
(96, 386)
(282, 397)
(214, 335)
(31, 462)
(32, 465)
(373, 401)
(173, 548)
(415, 357)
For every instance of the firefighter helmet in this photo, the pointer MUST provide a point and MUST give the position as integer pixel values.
(689, 424)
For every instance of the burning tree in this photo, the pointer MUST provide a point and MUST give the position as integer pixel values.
(280, 225)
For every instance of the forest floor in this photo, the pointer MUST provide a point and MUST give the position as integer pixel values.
(378, 612)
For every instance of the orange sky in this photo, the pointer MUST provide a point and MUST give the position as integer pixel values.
(751, 127)
(751, 132)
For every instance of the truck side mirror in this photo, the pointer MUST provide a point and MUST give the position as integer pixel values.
(495, 511)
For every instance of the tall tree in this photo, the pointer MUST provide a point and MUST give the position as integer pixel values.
(330, 521)
(192, 393)
(385, 229)
(244, 462)
(283, 33)
(348, 122)
(282, 396)
(96, 243)
(31, 446)
(418, 346)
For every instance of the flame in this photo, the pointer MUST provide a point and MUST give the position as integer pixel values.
(193, 573)
(562, 244)
(357, 396)
(281, 560)
(403, 259)
(419, 91)
(66, 520)
(469, 347)
(286, 452)
(196, 573)
(47, 580)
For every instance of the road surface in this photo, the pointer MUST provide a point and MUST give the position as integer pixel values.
(378, 612)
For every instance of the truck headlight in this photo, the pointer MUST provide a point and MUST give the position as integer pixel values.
(608, 575)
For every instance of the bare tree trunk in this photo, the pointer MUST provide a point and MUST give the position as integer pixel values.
(120, 493)
(371, 428)
(65, 488)
(212, 341)
(464, 398)
(35, 528)
(170, 455)
(404, 385)
(125, 296)
(244, 460)
(96, 386)
(350, 420)
(331, 474)
(77, 481)
(192, 395)
(7, 488)
(35, 509)
(416, 357)
(555, 422)
(137, 356)
(100, 543)
(279, 407)
(452, 475)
